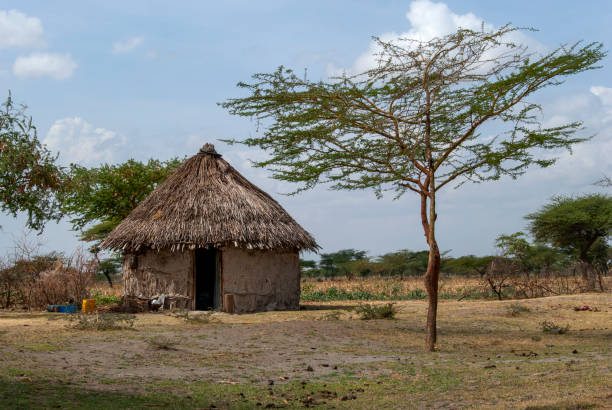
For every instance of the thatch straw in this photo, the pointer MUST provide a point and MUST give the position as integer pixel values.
(205, 203)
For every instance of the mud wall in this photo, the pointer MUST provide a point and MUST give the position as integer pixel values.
(261, 280)
(152, 273)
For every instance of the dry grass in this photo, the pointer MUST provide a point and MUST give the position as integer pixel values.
(486, 358)
(392, 284)
(104, 288)
(394, 287)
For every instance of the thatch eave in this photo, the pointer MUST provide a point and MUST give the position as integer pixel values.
(207, 202)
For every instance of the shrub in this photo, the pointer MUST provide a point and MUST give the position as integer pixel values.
(102, 321)
(396, 290)
(368, 311)
(515, 309)
(33, 281)
(103, 299)
(331, 316)
(417, 294)
(553, 328)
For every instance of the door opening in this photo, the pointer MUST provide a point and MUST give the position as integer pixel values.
(206, 279)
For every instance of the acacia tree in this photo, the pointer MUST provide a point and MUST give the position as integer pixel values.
(415, 121)
(605, 181)
(98, 199)
(578, 226)
(29, 176)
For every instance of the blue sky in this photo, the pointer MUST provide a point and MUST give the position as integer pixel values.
(108, 81)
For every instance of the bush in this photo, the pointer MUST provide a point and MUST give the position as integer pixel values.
(417, 294)
(515, 309)
(103, 299)
(553, 328)
(368, 311)
(33, 281)
(102, 321)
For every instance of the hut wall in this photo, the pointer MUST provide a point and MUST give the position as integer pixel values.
(261, 280)
(160, 273)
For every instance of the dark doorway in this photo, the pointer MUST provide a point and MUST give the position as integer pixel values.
(206, 279)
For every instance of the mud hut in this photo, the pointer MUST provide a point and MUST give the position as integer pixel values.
(207, 238)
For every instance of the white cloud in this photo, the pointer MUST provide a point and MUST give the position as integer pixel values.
(80, 142)
(589, 160)
(54, 65)
(428, 20)
(19, 30)
(604, 93)
(127, 45)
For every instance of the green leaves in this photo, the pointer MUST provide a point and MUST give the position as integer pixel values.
(416, 115)
(576, 225)
(96, 199)
(104, 196)
(29, 176)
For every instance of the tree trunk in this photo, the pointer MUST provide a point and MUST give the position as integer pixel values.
(108, 278)
(585, 250)
(433, 270)
(431, 284)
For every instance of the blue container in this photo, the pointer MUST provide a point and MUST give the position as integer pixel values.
(68, 309)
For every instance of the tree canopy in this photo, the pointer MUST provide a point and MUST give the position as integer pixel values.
(425, 101)
(98, 199)
(415, 121)
(531, 257)
(29, 175)
(351, 262)
(576, 225)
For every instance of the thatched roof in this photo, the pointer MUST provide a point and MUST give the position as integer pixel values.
(206, 202)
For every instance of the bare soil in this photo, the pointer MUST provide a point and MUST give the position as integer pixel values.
(485, 357)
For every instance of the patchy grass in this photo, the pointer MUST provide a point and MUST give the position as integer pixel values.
(516, 309)
(553, 328)
(101, 321)
(368, 312)
(388, 288)
(322, 356)
(42, 347)
(397, 288)
(163, 343)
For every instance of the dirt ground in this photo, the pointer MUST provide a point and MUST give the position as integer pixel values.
(323, 355)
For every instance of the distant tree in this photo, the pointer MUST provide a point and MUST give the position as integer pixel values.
(308, 268)
(335, 264)
(605, 181)
(29, 176)
(308, 264)
(531, 258)
(576, 225)
(98, 199)
(403, 263)
(466, 265)
(414, 122)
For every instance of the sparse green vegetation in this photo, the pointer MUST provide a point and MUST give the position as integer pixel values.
(368, 312)
(301, 359)
(515, 309)
(553, 328)
(103, 299)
